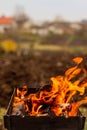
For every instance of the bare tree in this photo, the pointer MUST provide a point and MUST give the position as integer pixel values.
(20, 16)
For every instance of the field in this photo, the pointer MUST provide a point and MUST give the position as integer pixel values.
(52, 48)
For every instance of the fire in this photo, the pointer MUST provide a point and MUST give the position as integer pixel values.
(59, 97)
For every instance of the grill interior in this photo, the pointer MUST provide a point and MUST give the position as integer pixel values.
(14, 122)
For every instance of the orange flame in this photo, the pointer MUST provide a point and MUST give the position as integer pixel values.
(60, 98)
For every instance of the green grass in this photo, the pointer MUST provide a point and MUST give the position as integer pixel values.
(2, 113)
(40, 47)
(84, 113)
(85, 125)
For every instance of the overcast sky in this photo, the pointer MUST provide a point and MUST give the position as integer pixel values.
(47, 9)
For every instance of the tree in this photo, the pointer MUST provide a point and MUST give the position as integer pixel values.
(20, 16)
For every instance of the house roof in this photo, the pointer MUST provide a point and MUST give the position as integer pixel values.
(6, 20)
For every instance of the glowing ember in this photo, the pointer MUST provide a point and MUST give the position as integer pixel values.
(59, 98)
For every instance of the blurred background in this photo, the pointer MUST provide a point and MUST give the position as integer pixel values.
(38, 39)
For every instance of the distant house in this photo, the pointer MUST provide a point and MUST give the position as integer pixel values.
(41, 30)
(59, 27)
(56, 28)
(76, 26)
(6, 23)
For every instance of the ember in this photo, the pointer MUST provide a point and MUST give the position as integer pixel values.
(56, 99)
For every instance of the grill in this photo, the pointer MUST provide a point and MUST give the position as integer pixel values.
(15, 122)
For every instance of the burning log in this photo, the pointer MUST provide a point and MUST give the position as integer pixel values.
(18, 109)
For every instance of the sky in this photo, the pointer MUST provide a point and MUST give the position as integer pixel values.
(73, 10)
